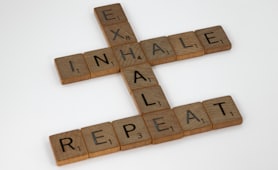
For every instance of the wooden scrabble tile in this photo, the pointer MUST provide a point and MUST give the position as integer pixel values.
(222, 112)
(129, 55)
(101, 62)
(100, 139)
(131, 132)
(72, 68)
(68, 147)
(150, 99)
(119, 34)
(158, 50)
(139, 76)
(163, 126)
(186, 45)
(110, 14)
(193, 118)
(213, 39)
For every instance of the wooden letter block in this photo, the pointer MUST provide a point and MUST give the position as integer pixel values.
(68, 147)
(100, 139)
(110, 14)
(72, 68)
(119, 34)
(213, 39)
(186, 45)
(131, 132)
(139, 76)
(163, 126)
(158, 50)
(222, 112)
(150, 99)
(193, 118)
(129, 55)
(101, 62)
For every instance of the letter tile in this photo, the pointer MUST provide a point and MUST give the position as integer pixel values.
(222, 112)
(163, 126)
(68, 147)
(101, 62)
(158, 50)
(131, 132)
(193, 118)
(213, 39)
(100, 139)
(72, 68)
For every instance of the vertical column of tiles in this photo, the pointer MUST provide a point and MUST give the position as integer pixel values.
(129, 55)
(158, 50)
(213, 39)
(68, 147)
(222, 112)
(193, 118)
(150, 99)
(101, 62)
(131, 132)
(72, 68)
(100, 139)
(139, 76)
(186, 45)
(163, 126)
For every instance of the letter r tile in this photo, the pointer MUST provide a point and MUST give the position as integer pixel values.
(100, 139)
(163, 126)
(193, 118)
(213, 39)
(222, 112)
(68, 147)
(132, 132)
(110, 14)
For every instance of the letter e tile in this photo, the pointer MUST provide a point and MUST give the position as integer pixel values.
(132, 132)
(222, 112)
(193, 118)
(163, 126)
(68, 147)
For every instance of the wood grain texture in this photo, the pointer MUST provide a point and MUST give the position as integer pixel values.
(110, 14)
(193, 118)
(101, 62)
(100, 139)
(163, 126)
(72, 68)
(119, 34)
(132, 132)
(139, 76)
(68, 147)
(213, 39)
(186, 45)
(129, 55)
(222, 112)
(150, 99)
(158, 50)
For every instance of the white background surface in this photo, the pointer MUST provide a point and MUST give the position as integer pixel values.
(34, 104)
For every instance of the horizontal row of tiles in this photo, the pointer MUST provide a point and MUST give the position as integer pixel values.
(154, 51)
(155, 127)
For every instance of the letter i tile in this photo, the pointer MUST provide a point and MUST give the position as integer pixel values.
(100, 139)
(68, 147)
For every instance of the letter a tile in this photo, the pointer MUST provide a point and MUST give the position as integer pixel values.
(68, 147)
(72, 68)
(213, 39)
(150, 99)
(222, 112)
(132, 132)
(193, 118)
(100, 139)
(101, 62)
(163, 126)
